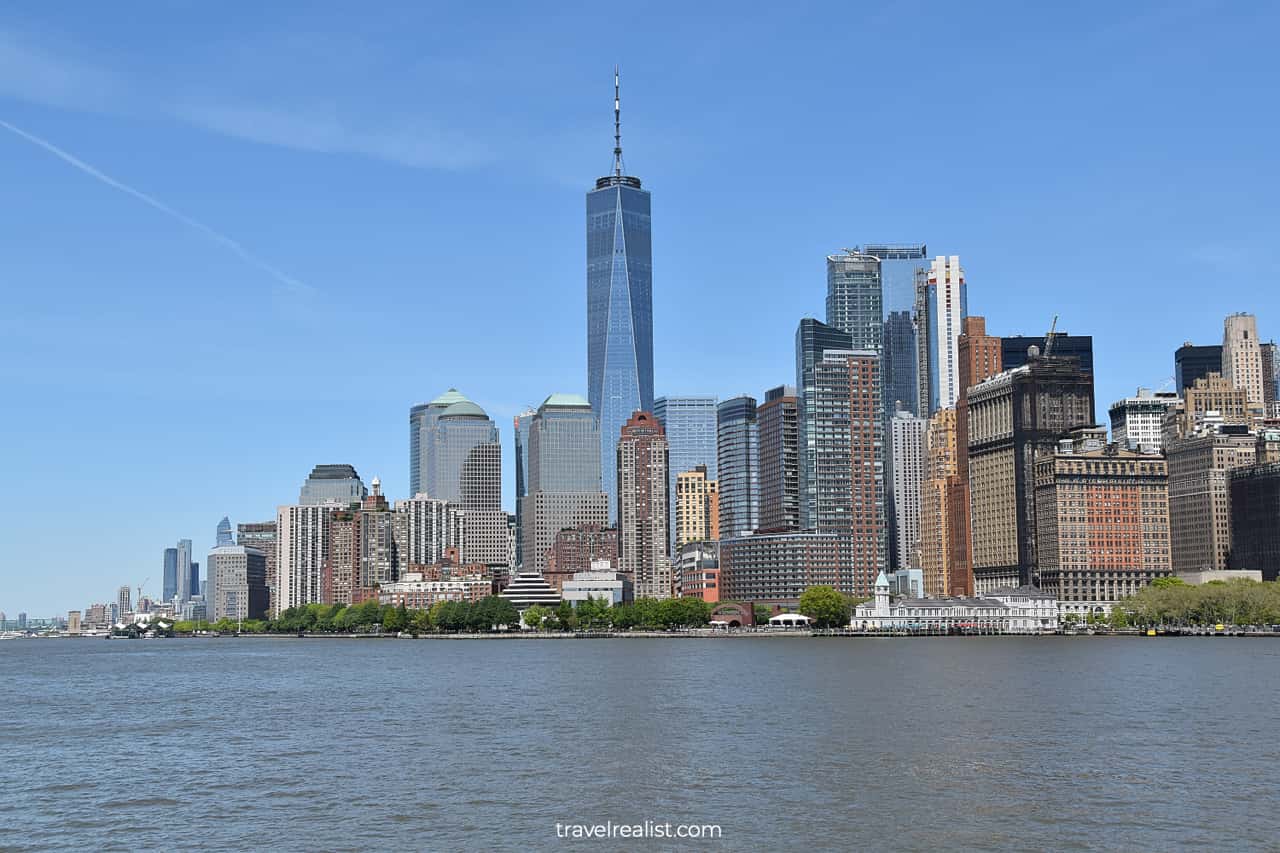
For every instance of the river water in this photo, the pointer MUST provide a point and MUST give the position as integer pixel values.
(1004, 743)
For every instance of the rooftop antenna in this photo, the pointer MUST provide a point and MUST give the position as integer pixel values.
(617, 123)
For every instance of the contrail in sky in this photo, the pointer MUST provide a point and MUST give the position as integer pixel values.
(212, 233)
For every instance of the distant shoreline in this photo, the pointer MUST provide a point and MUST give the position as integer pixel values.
(690, 635)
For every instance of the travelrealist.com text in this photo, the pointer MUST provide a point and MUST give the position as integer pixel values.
(647, 829)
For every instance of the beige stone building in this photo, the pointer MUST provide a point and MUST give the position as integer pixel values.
(1242, 357)
(697, 507)
(1210, 400)
(940, 466)
(1199, 501)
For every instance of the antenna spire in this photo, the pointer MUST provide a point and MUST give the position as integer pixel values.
(617, 124)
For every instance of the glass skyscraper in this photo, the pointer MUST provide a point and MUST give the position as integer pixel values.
(738, 461)
(855, 298)
(690, 424)
(900, 363)
(170, 582)
(619, 306)
(813, 338)
(520, 429)
(898, 265)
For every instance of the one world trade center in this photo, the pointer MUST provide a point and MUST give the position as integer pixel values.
(619, 305)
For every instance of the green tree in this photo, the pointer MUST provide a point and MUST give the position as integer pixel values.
(420, 622)
(567, 619)
(826, 606)
(395, 619)
(534, 616)
(761, 613)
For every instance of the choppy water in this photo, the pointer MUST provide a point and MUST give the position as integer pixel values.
(911, 744)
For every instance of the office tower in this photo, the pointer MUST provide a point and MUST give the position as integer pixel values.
(170, 582)
(1102, 519)
(779, 462)
(776, 568)
(1211, 399)
(908, 442)
(463, 445)
(855, 302)
(813, 338)
(365, 550)
(1191, 362)
(1270, 376)
(980, 357)
(564, 474)
(619, 304)
(690, 424)
(520, 430)
(1199, 497)
(223, 534)
(195, 579)
(1012, 417)
(185, 587)
(737, 458)
(124, 600)
(1254, 493)
(643, 540)
(432, 527)
(900, 389)
(1137, 422)
(261, 536)
(941, 305)
(237, 583)
(848, 423)
(1242, 356)
(302, 548)
(697, 507)
(935, 509)
(422, 434)
(898, 265)
(339, 484)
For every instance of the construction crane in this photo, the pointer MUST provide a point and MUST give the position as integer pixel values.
(140, 586)
(1048, 339)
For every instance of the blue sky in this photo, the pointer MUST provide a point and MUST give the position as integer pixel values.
(389, 202)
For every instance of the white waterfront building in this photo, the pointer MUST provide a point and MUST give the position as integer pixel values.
(1007, 610)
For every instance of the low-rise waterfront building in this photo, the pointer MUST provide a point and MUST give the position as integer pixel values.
(698, 571)
(529, 588)
(415, 591)
(1005, 610)
(603, 585)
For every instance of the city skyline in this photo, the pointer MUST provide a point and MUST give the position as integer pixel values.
(244, 457)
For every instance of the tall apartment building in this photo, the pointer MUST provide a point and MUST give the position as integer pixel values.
(1254, 493)
(779, 463)
(935, 510)
(577, 549)
(690, 425)
(980, 357)
(1242, 357)
(431, 528)
(302, 533)
(261, 536)
(124, 601)
(1199, 499)
(909, 463)
(237, 583)
(855, 298)
(941, 306)
(1013, 416)
(643, 540)
(813, 338)
(1137, 422)
(697, 501)
(848, 424)
(366, 550)
(1191, 362)
(1102, 519)
(737, 461)
(564, 475)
